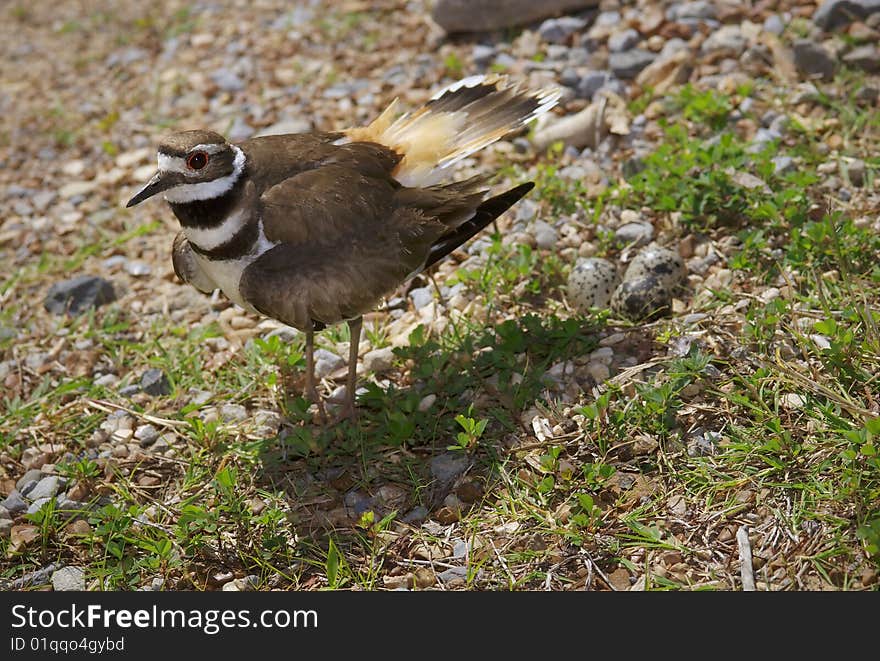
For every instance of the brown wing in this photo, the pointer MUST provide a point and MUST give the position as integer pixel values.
(340, 276)
(348, 234)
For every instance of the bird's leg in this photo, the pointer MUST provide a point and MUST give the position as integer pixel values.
(311, 388)
(354, 331)
(437, 289)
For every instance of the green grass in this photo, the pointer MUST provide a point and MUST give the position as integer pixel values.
(761, 414)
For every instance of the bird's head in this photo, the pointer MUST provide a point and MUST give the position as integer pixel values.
(193, 165)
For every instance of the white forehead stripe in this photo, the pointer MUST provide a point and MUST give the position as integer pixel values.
(205, 190)
(177, 164)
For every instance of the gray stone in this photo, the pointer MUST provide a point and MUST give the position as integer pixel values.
(773, 24)
(638, 233)
(836, 13)
(5, 528)
(558, 30)
(37, 505)
(227, 80)
(29, 478)
(545, 235)
(421, 297)
(867, 95)
(701, 9)
(448, 466)
(483, 55)
(593, 81)
(623, 40)
(526, 210)
(233, 413)
(326, 362)
(155, 383)
(865, 57)
(813, 59)
(628, 64)
(379, 360)
(146, 434)
(855, 172)
(130, 390)
(137, 268)
(569, 77)
(416, 516)
(240, 130)
(48, 487)
(78, 295)
(69, 579)
(727, 38)
(453, 573)
(14, 503)
(783, 164)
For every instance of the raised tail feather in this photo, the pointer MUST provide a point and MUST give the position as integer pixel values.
(456, 122)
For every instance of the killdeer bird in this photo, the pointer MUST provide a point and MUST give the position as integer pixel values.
(312, 229)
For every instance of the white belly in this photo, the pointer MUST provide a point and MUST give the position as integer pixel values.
(226, 273)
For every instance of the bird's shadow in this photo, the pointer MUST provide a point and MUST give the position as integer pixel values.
(411, 445)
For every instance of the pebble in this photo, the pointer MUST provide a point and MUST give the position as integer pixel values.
(628, 64)
(26, 481)
(599, 371)
(813, 59)
(725, 38)
(137, 268)
(227, 80)
(14, 503)
(427, 402)
(78, 295)
(774, 25)
(146, 434)
(327, 362)
(783, 164)
(855, 171)
(69, 579)
(637, 234)
(557, 30)
(46, 488)
(832, 14)
(545, 235)
(232, 413)
(155, 383)
(448, 466)
(593, 81)
(482, 55)
(421, 297)
(378, 360)
(623, 40)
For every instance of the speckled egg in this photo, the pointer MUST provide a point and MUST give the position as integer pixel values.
(664, 264)
(591, 283)
(648, 283)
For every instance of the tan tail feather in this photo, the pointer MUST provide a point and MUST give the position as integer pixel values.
(455, 123)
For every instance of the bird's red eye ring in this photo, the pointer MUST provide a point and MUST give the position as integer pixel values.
(197, 160)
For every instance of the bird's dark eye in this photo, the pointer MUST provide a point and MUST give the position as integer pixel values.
(197, 160)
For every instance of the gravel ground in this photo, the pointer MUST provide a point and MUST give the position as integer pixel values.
(86, 93)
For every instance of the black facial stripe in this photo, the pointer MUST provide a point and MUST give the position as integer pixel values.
(208, 213)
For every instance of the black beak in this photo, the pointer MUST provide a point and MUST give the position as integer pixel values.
(153, 186)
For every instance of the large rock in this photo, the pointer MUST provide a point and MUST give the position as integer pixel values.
(835, 13)
(484, 15)
(79, 294)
